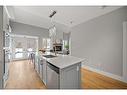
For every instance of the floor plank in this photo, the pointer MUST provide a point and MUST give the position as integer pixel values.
(23, 76)
(93, 80)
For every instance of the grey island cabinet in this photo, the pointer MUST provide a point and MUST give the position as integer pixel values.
(63, 72)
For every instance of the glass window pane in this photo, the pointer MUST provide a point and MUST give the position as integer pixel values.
(48, 43)
(30, 49)
(18, 50)
(18, 55)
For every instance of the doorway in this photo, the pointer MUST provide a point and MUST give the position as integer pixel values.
(22, 46)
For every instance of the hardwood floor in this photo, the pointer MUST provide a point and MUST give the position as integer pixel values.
(23, 76)
(92, 80)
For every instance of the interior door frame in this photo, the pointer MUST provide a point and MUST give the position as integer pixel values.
(26, 36)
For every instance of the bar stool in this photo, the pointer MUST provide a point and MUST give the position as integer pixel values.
(32, 58)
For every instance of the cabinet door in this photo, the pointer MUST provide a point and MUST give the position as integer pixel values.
(70, 77)
(41, 69)
(36, 62)
(38, 65)
(44, 71)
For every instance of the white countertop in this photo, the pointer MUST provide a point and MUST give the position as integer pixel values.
(63, 61)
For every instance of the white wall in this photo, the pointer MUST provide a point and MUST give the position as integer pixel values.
(60, 28)
(100, 41)
(25, 29)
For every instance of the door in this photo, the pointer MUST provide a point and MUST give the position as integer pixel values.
(22, 46)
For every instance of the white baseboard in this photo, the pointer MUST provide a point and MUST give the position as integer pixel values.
(19, 59)
(120, 78)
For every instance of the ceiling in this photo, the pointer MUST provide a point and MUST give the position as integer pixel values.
(39, 15)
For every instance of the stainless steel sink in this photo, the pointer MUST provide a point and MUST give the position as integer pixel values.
(49, 56)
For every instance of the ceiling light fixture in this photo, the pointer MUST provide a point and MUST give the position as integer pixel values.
(103, 7)
(52, 14)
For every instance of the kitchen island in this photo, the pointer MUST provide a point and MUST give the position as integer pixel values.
(61, 71)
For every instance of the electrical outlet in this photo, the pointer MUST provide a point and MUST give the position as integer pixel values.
(99, 64)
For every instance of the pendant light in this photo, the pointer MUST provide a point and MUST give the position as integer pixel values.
(52, 29)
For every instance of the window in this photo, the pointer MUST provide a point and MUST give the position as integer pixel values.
(29, 51)
(65, 42)
(46, 43)
(18, 53)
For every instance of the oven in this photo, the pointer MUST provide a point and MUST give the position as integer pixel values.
(57, 47)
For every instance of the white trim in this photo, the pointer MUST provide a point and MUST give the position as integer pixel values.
(16, 35)
(19, 59)
(120, 78)
(70, 45)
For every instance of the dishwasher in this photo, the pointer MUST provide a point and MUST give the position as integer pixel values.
(52, 76)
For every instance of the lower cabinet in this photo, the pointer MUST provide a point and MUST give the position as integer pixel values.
(41, 69)
(67, 78)
(70, 77)
(36, 63)
(44, 72)
(56, 78)
(38, 70)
